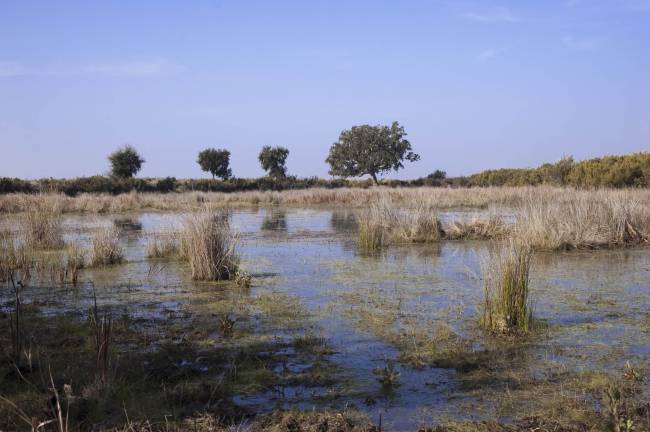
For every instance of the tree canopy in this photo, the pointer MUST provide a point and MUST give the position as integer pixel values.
(370, 150)
(125, 162)
(216, 162)
(273, 161)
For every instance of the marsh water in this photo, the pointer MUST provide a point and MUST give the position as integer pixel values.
(366, 313)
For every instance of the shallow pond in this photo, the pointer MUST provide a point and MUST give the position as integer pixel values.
(403, 309)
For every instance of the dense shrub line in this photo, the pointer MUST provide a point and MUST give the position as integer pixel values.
(117, 185)
(631, 170)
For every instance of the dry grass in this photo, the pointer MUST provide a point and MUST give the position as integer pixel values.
(385, 223)
(479, 228)
(348, 197)
(507, 308)
(163, 245)
(16, 260)
(209, 246)
(597, 220)
(106, 249)
(42, 226)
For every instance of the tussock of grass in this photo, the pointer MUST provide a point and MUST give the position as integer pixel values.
(492, 227)
(587, 222)
(507, 308)
(14, 258)
(42, 226)
(384, 223)
(106, 249)
(209, 246)
(163, 245)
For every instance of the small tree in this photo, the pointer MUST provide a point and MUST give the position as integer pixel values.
(273, 161)
(125, 162)
(370, 150)
(437, 175)
(216, 162)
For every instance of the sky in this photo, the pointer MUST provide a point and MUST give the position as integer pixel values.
(476, 84)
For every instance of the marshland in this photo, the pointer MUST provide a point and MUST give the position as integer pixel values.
(349, 309)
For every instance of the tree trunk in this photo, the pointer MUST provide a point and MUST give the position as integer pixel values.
(374, 178)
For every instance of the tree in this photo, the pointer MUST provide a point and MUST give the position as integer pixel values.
(370, 150)
(216, 162)
(125, 162)
(437, 175)
(273, 160)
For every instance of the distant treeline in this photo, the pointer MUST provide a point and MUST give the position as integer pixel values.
(610, 171)
(631, 170)
(117, 185)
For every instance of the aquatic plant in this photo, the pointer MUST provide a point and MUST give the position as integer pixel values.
(42, 226)
(385, 223)
(388, 376)
(226, 325)
(507, 308)
(102, 329)
(163, 245)
(209, 246)
(479, 228)
(106, 249)
(599, 220)
(243, 279)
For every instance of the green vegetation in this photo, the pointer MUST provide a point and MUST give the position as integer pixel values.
(631, 170)
(216, 162)
(370, 150)
(274, 161)
(125, 162)
(507, 309)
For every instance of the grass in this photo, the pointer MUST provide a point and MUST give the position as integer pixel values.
(42, 226)
(163, 245)
(429, 197)
(385, 223)
(106, 249)
(589, 221)
(507, 309)
(209, 246)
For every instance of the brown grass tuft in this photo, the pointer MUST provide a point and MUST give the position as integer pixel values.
(106, 249)
(209, 246)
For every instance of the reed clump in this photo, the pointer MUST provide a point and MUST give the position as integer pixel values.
(209, 246)
(163, 245)
(479, 228)
(16, 259)
(106, 249)
(385, 223)
(601, 220)
(507, 309)
(42, 226)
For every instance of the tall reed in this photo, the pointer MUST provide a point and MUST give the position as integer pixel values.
(209, 246)
(42, 226)
(507, 308)
(106, 249)
(598, 220)
(385, 223)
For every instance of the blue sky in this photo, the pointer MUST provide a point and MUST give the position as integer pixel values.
(476, 84)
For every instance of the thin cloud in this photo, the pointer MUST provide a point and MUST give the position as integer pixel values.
(497, 15)
(489, 54)
(154, 68)
(135, 68)
(580, 44)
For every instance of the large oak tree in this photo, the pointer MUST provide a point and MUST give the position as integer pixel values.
(370, 150)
